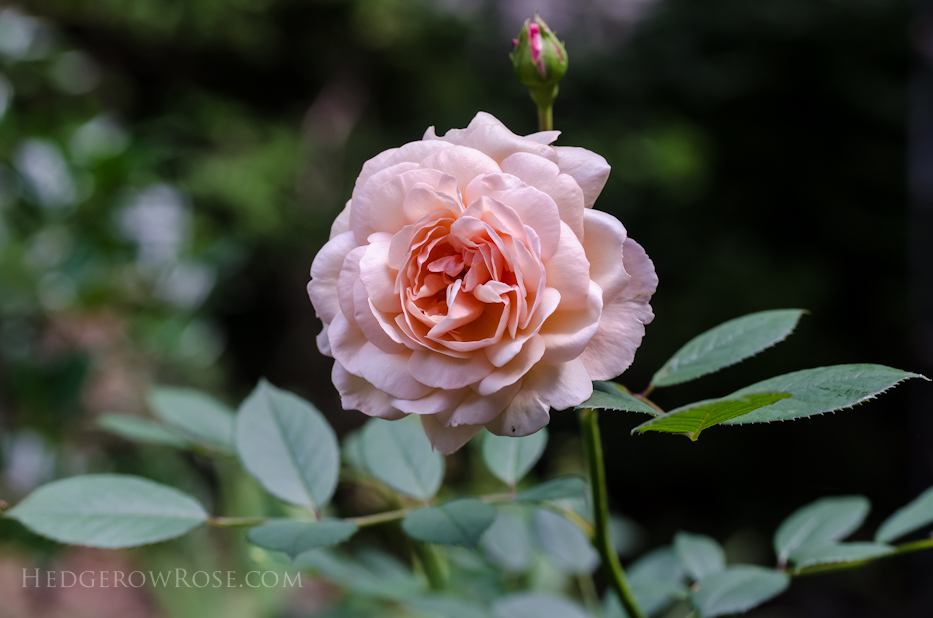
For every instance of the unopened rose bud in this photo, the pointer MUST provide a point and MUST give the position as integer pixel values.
(540, 61)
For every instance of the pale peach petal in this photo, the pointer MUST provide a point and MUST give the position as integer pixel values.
(439, 371)
(346, 283)
(568, 271)
(373, 166)
(535, 208)
(567, 333)
(424, 200)
(414, 152)
(498, 142)
(323, 343)
(325, 272)
(603, 240)
(502, 352)
(447, 439)
(589, 169)
(462, 308)
(622, 326)
(478, 409)
(437, 402)
(462, 163)
(546, 386)
(513, 371)
(371, 323)
(378, 205)
(346, 341)
(543, 137)
(389, 372)
(379, 278)
(545, 175)
(342, 222)
(358, 394)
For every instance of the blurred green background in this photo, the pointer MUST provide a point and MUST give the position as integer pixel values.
(169, 168)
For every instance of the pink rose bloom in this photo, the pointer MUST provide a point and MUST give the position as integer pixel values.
(469, 281)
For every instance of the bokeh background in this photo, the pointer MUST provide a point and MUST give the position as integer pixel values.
(169, 168)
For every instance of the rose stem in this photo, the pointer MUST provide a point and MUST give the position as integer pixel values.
(546, 118)
(592, 444)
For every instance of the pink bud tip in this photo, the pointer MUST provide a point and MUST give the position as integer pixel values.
(534, 40)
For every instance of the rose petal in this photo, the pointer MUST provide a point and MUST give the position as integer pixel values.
(438, 401)
(567, 333)
(603, 240)
(358, 394)
(325, 272)
(389, 372)
(342, 223)
(545, 175)
(346, 341)
(543, 137)
(439, 371)
(448, 439)
(478, 409)
(535, 208)
(504, 351)
(464, 164)
(379, 278)
(588, 168)
(498, 142)
(513, 371)
(546, 386)
(568, 271)
(622, 326)
(378, 205)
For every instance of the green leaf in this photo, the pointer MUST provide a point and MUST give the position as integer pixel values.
(369, 573)
(564, 542)
(820, 523)
(821, 390)
(352, 450)
(507, 543)
(659, 565)
(611, 396)
(738, 589)
(448, 607)
(727, 344)
(203, 417)
(288, 446)
(626, 534)
(652, 598)
(699, 555)
(693, 418)
(839, 552)
(109, 511)
(555, 489)
(510, 459)
(293, 537)
(536, 605)
(458, 522)
(140, 430)
(656, 580)
(399, 454)
(918, 514)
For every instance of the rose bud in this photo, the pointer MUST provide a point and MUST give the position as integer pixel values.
(539, 57)
(540, 61)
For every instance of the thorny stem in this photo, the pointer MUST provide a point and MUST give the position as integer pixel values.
(589, 422)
